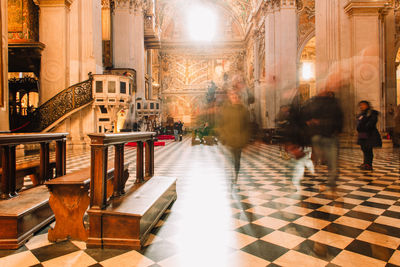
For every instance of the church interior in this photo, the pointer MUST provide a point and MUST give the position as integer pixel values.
(200, 133)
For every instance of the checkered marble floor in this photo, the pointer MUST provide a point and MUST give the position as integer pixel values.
(261, 221)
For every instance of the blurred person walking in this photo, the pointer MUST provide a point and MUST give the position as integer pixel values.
(234, 128)
(324, 119)
(296, 142)
(368, 134)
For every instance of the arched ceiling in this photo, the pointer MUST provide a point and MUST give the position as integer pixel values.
(237, 10)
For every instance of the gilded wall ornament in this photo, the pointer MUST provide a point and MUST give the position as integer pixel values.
(306, 22)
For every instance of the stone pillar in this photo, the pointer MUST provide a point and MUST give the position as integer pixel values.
(334, 55)
(367, 49)
(150, 71)
(4, 125)
(123, 34)
(287, 29)
(390, 71)
(327, 34)
(128, 39)
(90, 38)
(138, 47)
(256, 73)
(85, 43)
(270, 67)
(54, 33)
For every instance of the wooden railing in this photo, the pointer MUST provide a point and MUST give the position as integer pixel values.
(99, 157)
(8, 143)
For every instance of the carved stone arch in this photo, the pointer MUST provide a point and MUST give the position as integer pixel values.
(305, 41)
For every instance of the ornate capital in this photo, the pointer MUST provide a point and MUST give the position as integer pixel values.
(122, 4)
(138, 5)
(47, 3)
(149, 7)
(288, 3)
(276, 4)
(366, 7)
(135, 5)
(105, 3)
(396, 4)
(299, 4)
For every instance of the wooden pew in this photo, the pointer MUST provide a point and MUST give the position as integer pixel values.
(69, 200)
(31, 169)
(125, 221)
(22, 214)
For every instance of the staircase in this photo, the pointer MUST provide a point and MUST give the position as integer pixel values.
(59, 107)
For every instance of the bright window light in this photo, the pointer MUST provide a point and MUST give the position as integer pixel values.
(308, 72)
(202, 23)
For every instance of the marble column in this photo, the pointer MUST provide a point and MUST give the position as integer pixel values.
(390, 71)
(256, 73)
(123, 34)
(54, 33)
(334, 55)
(4, 126)
(150, 71)
(270, 67)
(367, 47)
(287, 29)
(128, 39)
(327, 32)
(138, 48)
(85, 43)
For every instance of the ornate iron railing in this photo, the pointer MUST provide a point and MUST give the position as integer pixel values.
(61, 104)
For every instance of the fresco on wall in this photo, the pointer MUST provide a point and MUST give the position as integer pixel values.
(186, 79)
(23, 20)
(15, 15)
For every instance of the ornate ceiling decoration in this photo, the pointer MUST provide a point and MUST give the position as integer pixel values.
(239, 10)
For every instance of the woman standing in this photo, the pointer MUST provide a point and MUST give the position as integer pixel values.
(368, 135)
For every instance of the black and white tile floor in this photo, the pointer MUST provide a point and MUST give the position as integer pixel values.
(261, 221)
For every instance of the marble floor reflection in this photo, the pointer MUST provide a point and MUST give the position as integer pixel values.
(263, 220)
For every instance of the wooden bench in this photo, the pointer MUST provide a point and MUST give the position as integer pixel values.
(124, 222)
(128, 220)
(69, 200)
(31, 169)
(22, 216)
(23, 213)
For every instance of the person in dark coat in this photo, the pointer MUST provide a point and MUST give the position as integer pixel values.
(368, 134)
(324, 119)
